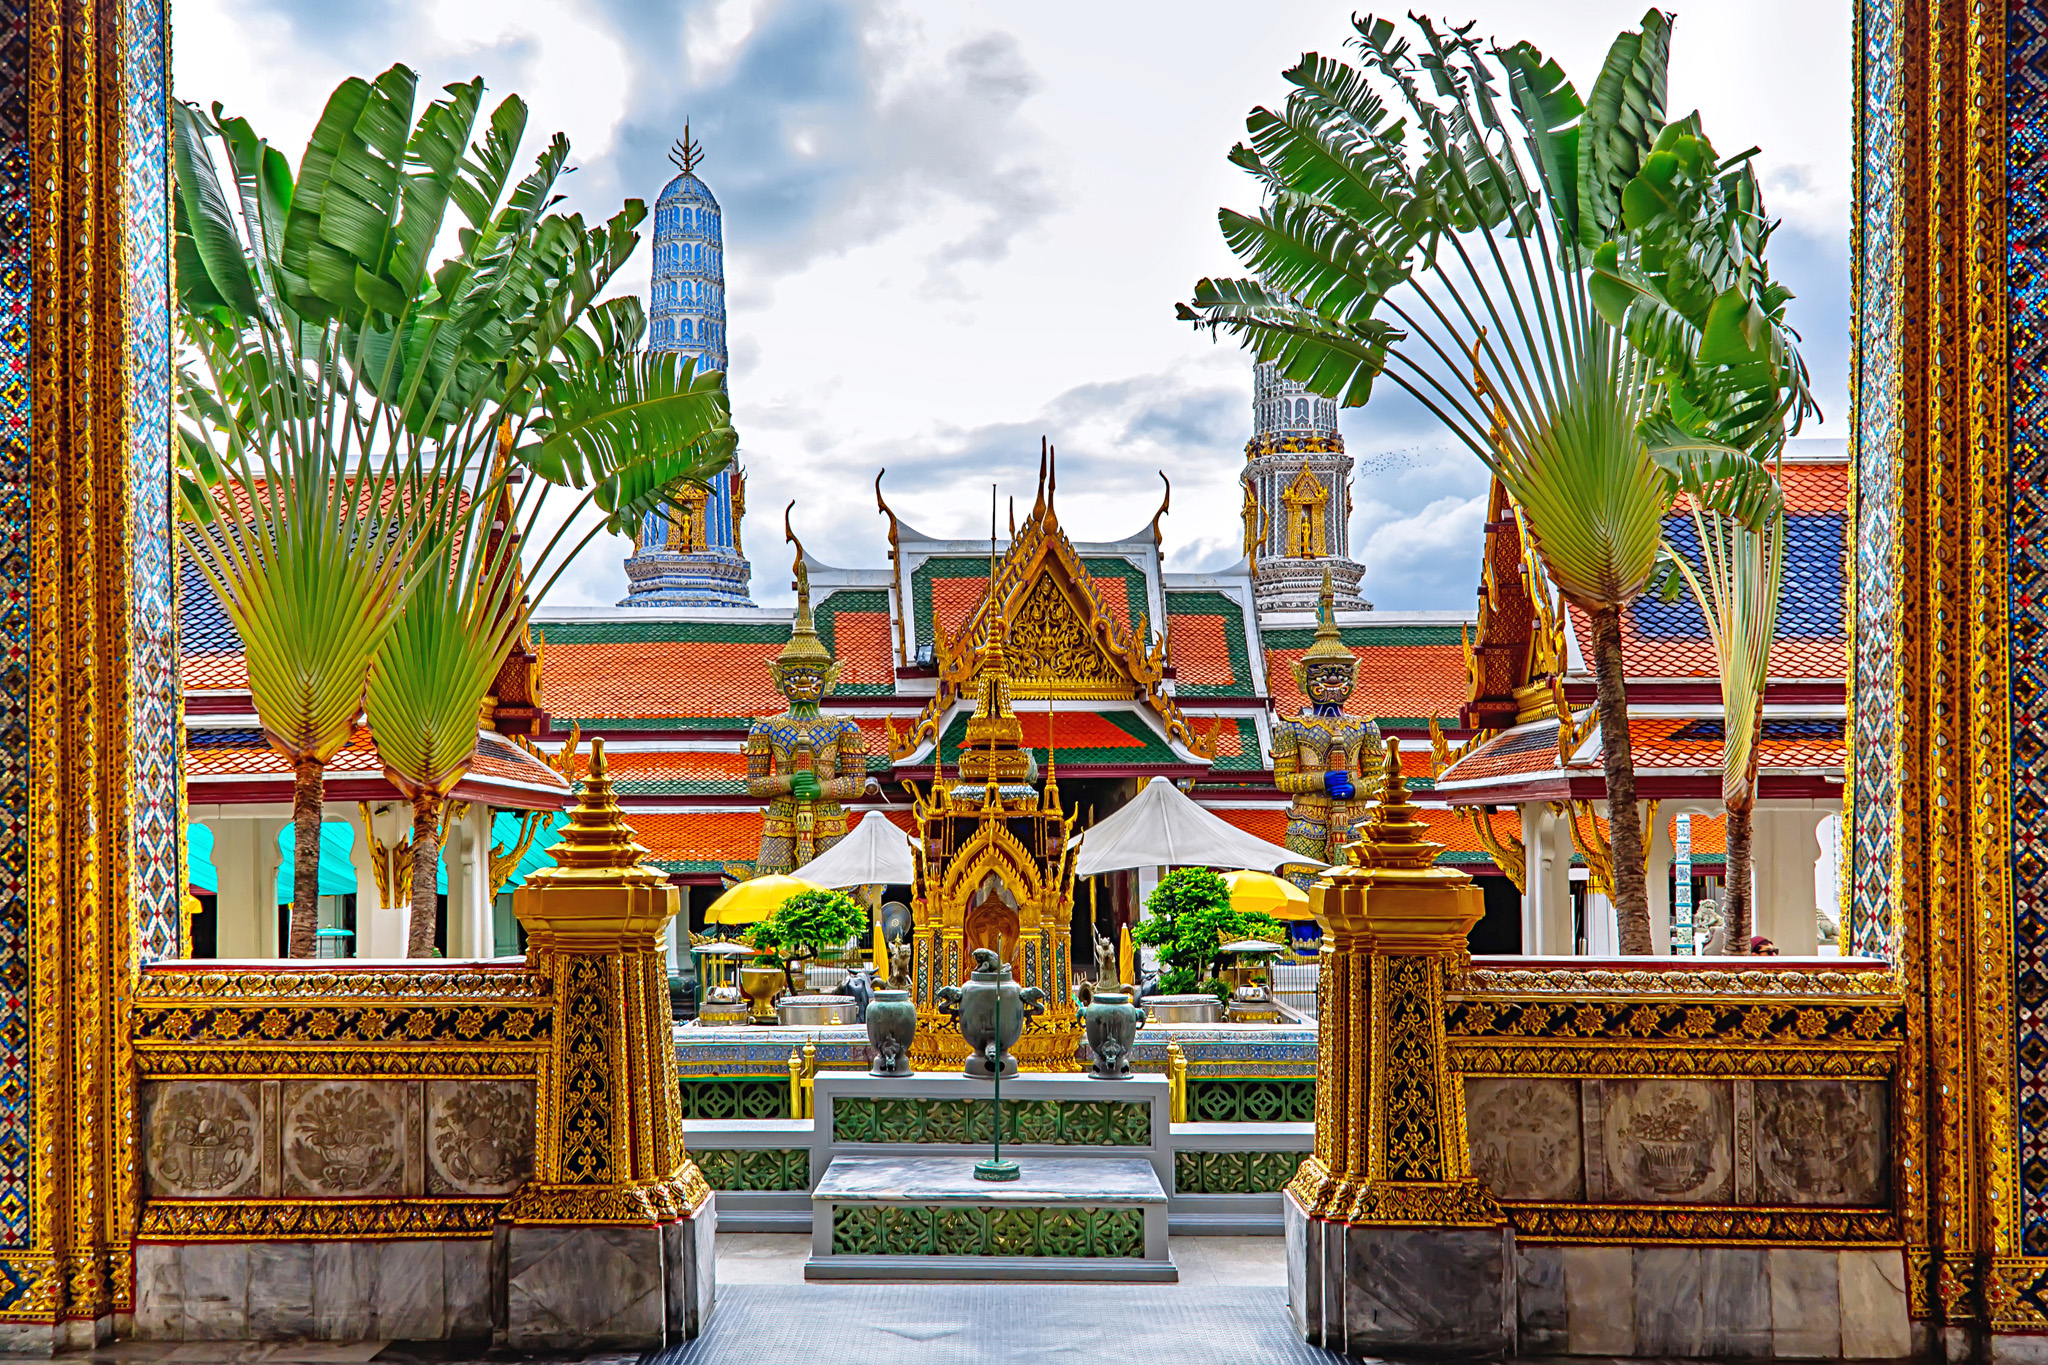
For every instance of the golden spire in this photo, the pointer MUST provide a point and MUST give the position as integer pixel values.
(1392, 838)
(993, 750)
(804, 646)
(597, 839)
(1329, 643)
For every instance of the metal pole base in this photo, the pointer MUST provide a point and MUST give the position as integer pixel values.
(997, 1169)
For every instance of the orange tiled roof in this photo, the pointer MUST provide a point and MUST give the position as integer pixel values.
(650, 680)
(1530, 748)
(1695, 742)
(1198, 647)
(246, 753)
(697, 840)
(1397, 682)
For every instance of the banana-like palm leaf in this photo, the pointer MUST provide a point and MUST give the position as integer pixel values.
(428, 680)
(1736, 582)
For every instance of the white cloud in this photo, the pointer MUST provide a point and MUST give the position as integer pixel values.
(953, 225)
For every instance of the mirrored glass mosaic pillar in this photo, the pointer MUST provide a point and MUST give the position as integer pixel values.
(90, 876)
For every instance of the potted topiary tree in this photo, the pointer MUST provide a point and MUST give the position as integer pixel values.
(804, 925)
(1190, 920)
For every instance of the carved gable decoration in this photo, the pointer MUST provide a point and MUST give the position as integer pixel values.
(1062, 641)
(1054, 654)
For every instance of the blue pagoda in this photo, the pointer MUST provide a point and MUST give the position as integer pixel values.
(691, 558)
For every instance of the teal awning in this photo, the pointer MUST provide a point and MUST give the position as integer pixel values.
(199, 871)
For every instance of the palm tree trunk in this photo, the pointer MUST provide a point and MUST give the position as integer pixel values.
(309, 790)
(1624, 821)
(426, 858)
(1736, 897)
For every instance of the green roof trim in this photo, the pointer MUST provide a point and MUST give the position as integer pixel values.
(1225, 606)
(1248, 759)
(825, 616)
(1368, 637)
(663, 632)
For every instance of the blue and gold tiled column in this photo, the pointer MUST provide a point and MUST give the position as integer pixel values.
(90, 874)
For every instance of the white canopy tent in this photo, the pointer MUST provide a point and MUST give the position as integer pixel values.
(1163, 827)
(873, 852)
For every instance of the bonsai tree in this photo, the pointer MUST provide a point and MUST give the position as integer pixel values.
(1190, 919)
(806, 923)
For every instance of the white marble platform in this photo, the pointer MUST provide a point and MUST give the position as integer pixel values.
(1041, 1181)
(1053, 1185)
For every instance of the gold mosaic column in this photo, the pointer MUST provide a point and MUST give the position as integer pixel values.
(1387, 1210)
(610, 1242)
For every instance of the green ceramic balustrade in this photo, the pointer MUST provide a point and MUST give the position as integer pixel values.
(1062, 1123)
(1229, 1100)
(1234, 1172)
(735, 1097)
(762, 1168)
(954, 1230)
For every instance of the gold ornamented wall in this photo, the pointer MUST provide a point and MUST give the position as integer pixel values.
(90, 877)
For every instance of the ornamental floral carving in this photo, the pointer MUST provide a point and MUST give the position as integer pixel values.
(202, 1140)
(343, 1138)
(479, 1136)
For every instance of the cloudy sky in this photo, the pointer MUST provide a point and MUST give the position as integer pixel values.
(952, 227)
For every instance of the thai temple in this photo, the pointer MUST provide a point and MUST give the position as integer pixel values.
(616, 1102)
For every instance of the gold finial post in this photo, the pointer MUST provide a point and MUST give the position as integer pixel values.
(687, 154)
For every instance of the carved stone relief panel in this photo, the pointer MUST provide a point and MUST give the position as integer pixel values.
(204, 1139)
(1822, 1142)
(1668, 1141)
(479, 1136)
(344, 1138)
(1524, 1137)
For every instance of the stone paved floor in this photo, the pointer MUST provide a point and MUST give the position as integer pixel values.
(1230, 1308)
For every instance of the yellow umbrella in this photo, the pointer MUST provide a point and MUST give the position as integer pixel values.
(1265, 894)
(750, 902)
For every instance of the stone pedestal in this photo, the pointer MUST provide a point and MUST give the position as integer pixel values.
(1368, 1291)
(597, 1286)
(1393, 1247)
(1093, 1219)
(610, 1243)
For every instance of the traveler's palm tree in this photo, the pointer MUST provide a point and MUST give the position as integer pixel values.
(1690, 284)
(1454, 254)
(340, 390)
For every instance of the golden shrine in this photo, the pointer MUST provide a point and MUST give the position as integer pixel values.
(994, 872)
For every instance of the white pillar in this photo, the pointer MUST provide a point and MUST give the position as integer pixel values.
(246, 858)
(1657, 872)
(1603, 929)
(381, 920)
(1546, 876)
(467, 853)
(1786, 848)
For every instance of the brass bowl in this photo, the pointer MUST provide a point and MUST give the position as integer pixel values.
(761, 985)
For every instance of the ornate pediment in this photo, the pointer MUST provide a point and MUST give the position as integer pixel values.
(1055, 653)
(1062, 641)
